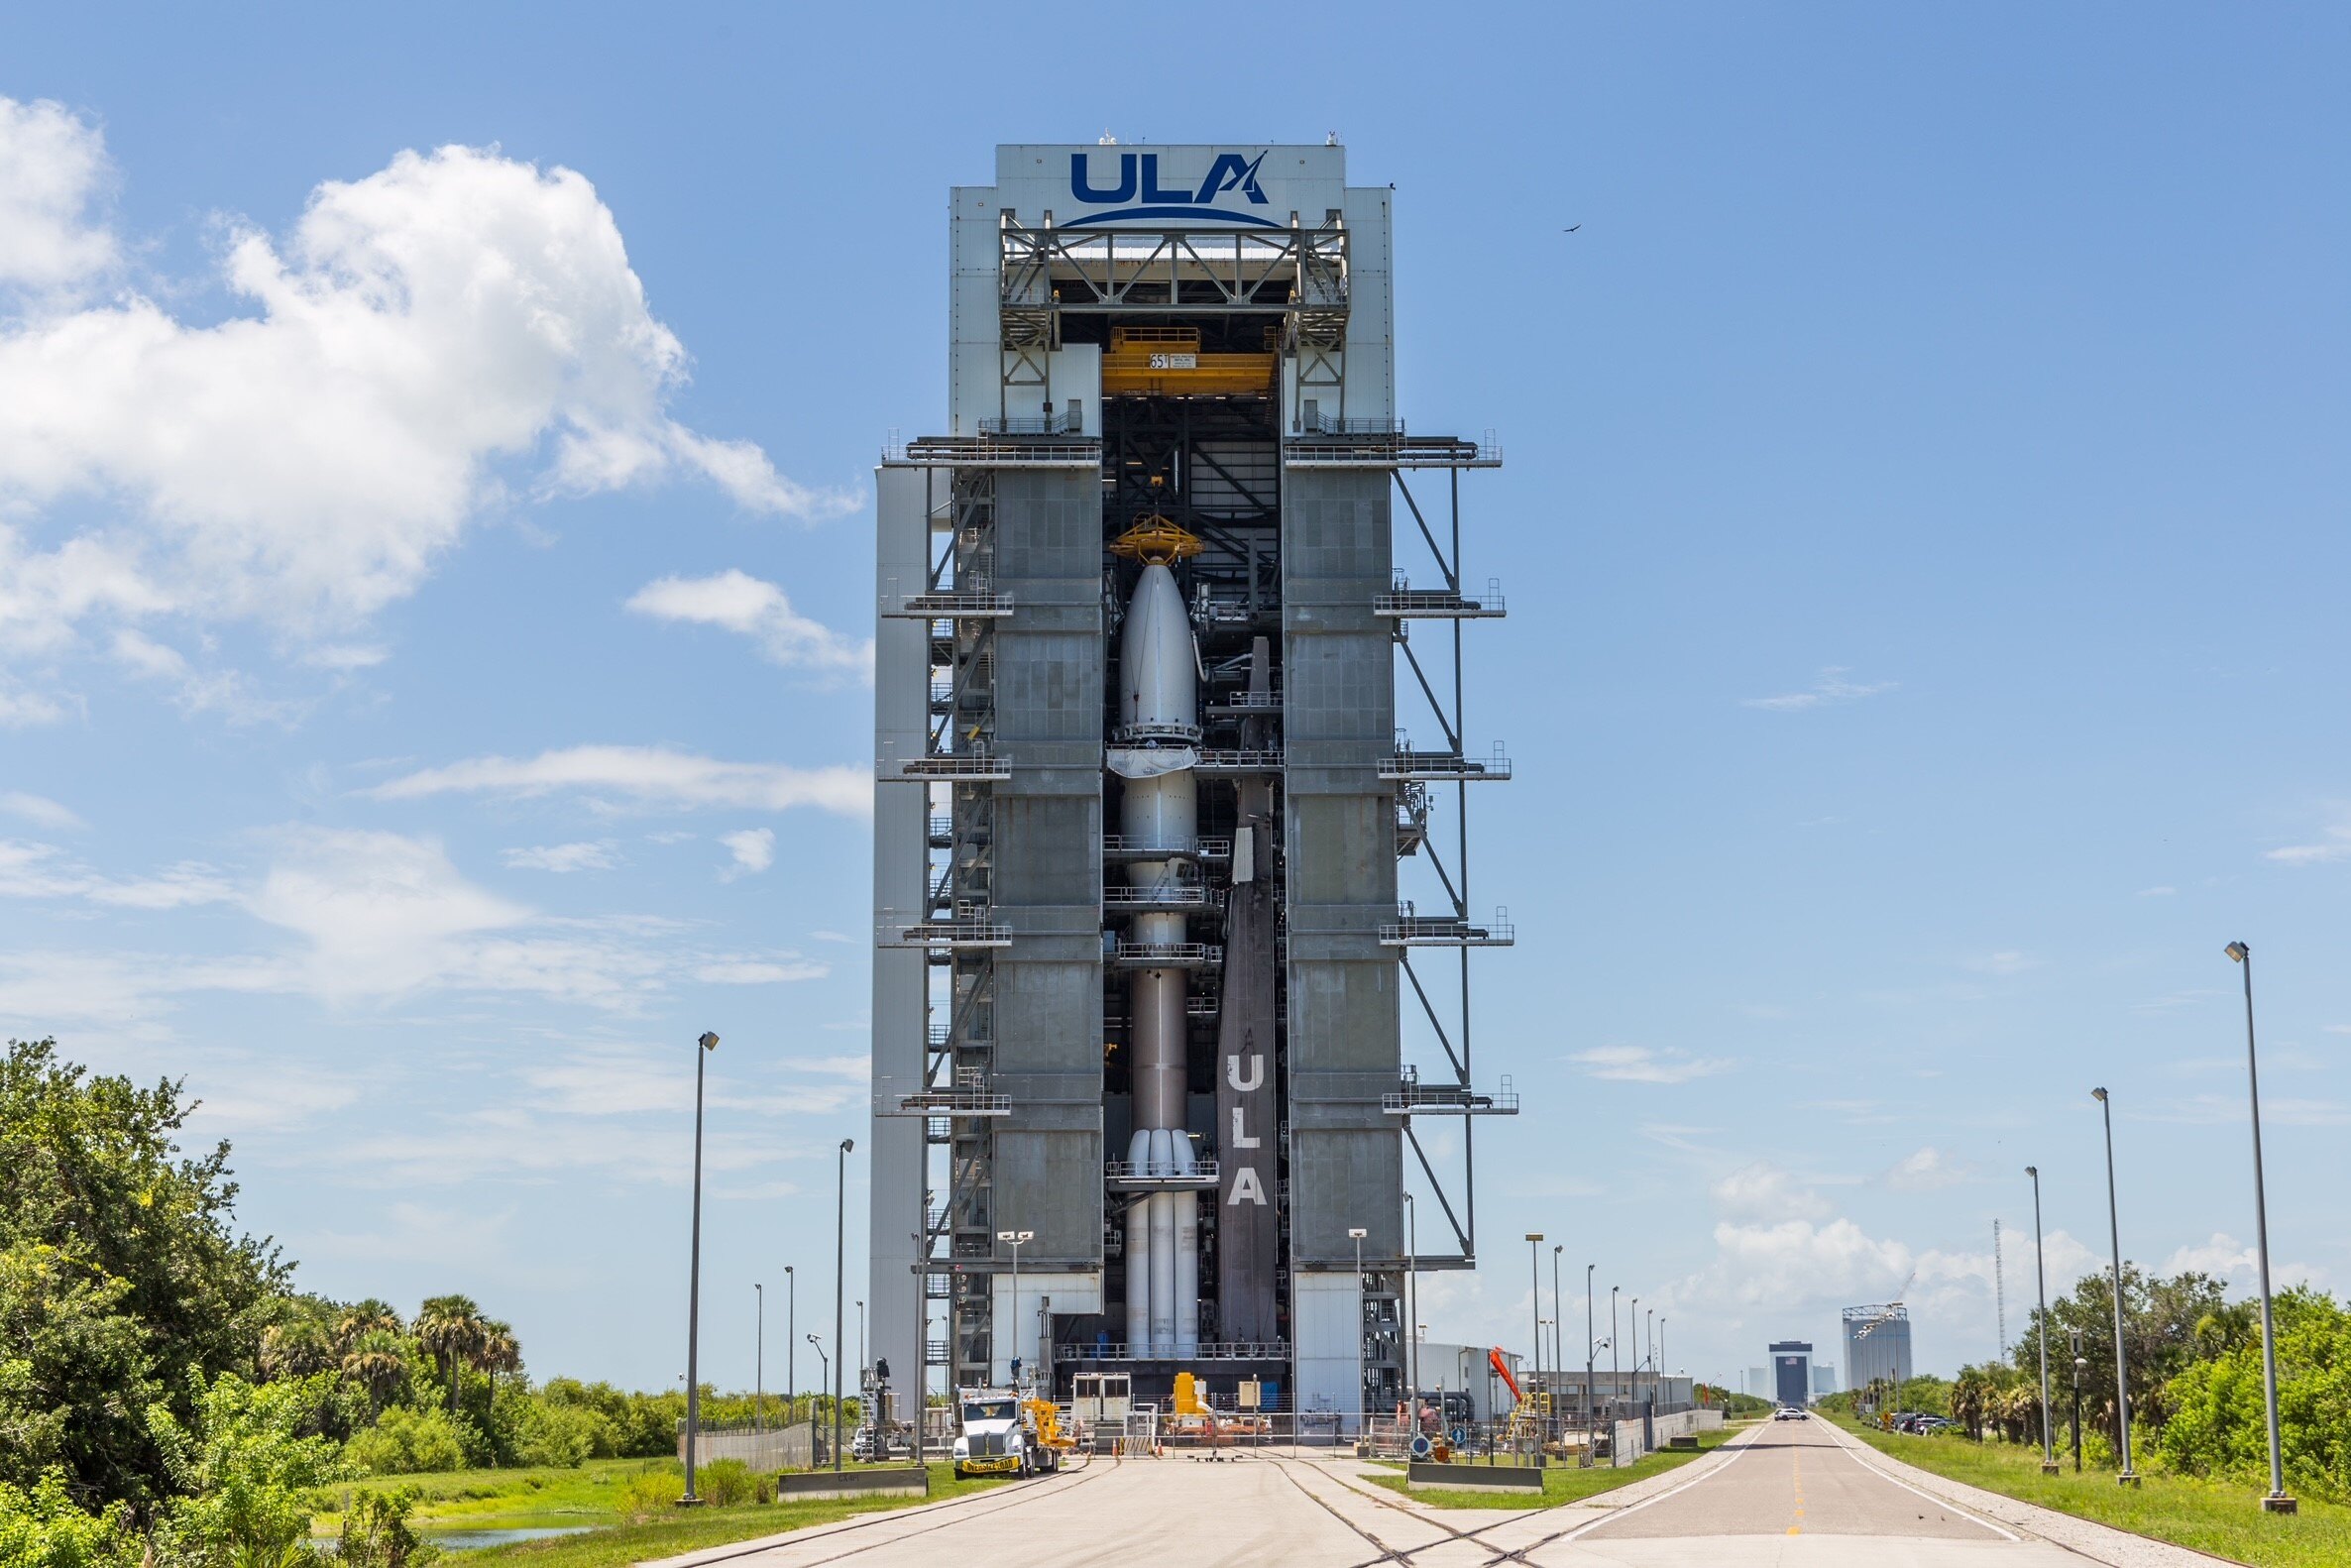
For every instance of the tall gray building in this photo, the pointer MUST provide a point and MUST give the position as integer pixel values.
(1139, 1094)
(1791, 1373)
(1876, 1344)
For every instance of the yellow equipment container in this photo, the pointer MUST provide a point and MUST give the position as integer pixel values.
(1166, 362)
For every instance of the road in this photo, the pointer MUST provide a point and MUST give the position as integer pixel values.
(1789, 1493)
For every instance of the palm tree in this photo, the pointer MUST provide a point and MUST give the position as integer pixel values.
(294, 1348)
(452, 1331)
(362, 1319)
(377, 1361)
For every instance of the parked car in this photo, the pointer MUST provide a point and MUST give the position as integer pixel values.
(1789, 1412)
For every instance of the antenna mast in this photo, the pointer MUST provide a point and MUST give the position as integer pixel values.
(1999, 1290)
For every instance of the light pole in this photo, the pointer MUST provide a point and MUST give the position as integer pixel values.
(2049, 1464)
(1632, 1321)
(1616, 1378)
(840, 1232)
(1017, 1238)
(1591, 1355)
(759, 1356)
(1558, 1342)
(1356, 1234)
(2122, 1389)
(1653, 1357)
(1413, 1306)
(824, 1375)
(861, 1347)
(2080, 1366)
(1534, 1281)
(1657, 1359)
(2277, 1502)
(708, 1043)
(791, 1344)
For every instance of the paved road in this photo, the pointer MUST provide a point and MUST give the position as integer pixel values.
(1791, 1494)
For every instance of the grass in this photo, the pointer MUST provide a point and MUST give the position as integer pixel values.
(1562, 1483)
(590, 1496)
(2224, 1518)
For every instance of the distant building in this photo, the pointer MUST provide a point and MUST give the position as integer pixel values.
(1467, 1368)
(1824, 1381)
(1759, 1381)
(1791, 1372)
(1876, 1344)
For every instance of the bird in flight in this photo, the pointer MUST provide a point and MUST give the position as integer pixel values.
(1571, 230)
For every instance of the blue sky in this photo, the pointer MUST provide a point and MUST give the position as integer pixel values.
(432, 589)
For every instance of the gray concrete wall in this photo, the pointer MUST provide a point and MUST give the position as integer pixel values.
(894, 1144)
(1338, 722)
(1048, 1163)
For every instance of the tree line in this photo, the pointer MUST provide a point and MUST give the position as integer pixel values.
(168, 1398)
(2193, 1359)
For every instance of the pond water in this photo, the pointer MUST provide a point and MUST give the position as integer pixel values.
(488, 1533)
(468, 1539)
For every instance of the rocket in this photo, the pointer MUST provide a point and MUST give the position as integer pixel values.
(1156, 753)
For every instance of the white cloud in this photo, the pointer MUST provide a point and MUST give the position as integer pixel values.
(2157, 892)
(651, 776)
(753, 850)
(52, 168)
(1641, 1065)
(2237, 1264)
(758, 610)
(1765, 1191)
(19, 708)
(40, 870)
(1830, 690)
(1926, 1171)
(2336, 846)
(560, 857)
(310, 461)
(39, 810)
(2007, 962)
(758, 971)
(196, 691)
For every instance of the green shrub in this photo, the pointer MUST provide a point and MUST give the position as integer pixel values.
(407, 1442)
(723, 1483)
(376, 1532)
(43, 1529)
(652, 1493)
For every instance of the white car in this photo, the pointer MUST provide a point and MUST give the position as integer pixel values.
(1789, 1412)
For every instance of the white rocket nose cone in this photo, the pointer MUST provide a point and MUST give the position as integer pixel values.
(1158, 685)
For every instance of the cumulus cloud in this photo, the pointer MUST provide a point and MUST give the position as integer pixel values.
(306, 461)
(1831, 690)
(1641, 1065)
(754, 608)
(753, 850)
(53, 167)
(560, 857)
(648, 775)
(1926, 1171)
(1765, 1191)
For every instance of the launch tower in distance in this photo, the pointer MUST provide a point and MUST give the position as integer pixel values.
(1143, 975)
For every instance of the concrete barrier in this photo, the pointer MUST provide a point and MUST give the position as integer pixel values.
(801, 1485)
(1424, 1476)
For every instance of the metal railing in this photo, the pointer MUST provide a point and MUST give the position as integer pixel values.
(1158, 1176)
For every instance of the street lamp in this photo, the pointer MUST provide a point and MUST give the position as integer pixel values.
(708, 1043)
(1558, 1343)
(1534, 1273)
(1653, 1357)
(2049, 1464)
(1356, 1234)
(2080, 1366)
(1616, 1377)
(1657, 1363)
(840, 1232)
(759, 1356)
(824, 1376)
(791, 1344)
(2122, 1389)
(1017, 1238)
(861, 1347)
(1591, 1355)
(2277, 1502)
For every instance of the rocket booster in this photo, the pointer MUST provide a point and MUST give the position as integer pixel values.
(1158, 732)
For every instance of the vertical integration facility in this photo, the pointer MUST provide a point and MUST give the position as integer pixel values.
(1876, 1344)
(1145, 980)
(1791, 1373)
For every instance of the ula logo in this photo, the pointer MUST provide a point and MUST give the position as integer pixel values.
(1139, 181)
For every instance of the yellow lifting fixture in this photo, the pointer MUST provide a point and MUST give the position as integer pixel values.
(1167, 362)
(1156, 541)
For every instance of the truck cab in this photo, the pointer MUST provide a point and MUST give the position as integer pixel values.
(998, 1436)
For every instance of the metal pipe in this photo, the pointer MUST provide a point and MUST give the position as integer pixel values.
(707, 1044)
(840, 1216)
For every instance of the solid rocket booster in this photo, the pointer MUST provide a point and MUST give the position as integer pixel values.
(1159, 729)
